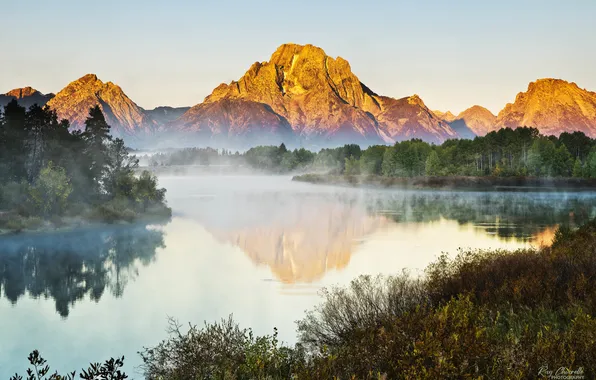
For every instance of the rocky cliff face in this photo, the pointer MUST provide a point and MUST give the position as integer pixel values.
(236, 121)
(553, 106)
(477, 119)
(124, 116)
(445, 116)
(164, 114)
(409, 118)
(322, 100)
(26, 97)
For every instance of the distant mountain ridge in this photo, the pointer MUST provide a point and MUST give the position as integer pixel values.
(74, 101)
(553, 106)
(320, 98)
(478, 120)
(26, 96)
(303, 97)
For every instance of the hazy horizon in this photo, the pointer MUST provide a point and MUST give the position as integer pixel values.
(453, 55)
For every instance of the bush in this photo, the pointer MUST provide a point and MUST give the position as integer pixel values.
(17, 223)
(219, 351)
(13, 195)
(118, 209)
(109, 370)
(49, 194)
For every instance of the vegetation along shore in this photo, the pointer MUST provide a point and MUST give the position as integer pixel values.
(52, 177)
(483, 314)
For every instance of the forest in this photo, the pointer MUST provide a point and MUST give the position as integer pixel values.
(53, 177)
(504, 153)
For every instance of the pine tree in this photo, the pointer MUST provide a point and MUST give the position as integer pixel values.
(97, 138)
(433, 164)
(577, 168)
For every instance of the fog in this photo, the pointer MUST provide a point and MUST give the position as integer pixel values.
(259, 247)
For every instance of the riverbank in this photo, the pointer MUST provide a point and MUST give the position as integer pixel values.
(453, 182)
(104, 215)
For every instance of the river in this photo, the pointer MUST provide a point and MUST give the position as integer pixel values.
(257, 247)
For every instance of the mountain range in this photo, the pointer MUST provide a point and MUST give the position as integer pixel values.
(302, 96)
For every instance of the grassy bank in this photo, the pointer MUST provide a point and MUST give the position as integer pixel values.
(454, 182)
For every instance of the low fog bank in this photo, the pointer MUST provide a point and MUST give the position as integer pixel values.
(252, 202)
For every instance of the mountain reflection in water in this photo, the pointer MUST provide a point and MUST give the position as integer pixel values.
(302, 235)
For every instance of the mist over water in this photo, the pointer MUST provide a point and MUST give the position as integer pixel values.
(260, 247)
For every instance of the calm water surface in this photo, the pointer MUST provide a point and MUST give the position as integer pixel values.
(259, 248)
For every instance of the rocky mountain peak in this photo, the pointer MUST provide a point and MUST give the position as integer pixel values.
(321, 98)
(74, 101)
(20, 93)
(553, 106)
(446, 116)
(477, 119)
(26, 96)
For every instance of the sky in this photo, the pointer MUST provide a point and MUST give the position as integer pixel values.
(453, 54)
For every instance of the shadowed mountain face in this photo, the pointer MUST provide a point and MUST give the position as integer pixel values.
(124, 116)
(236, 121)
(475, 121)
(409, 118)
(321, 99)
(26, 97)
(163, 115)
(553, 106)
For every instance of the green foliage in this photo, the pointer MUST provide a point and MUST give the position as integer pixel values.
(433, 164)
(46, 170)
(578, 170)
(406, 159)
(504, 153)
(590, 166)
(219, 351)
(13, 195)
(50, 191)
(40, 370)
(352, 166)
(371, 161)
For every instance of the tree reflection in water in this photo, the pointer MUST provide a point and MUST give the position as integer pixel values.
(508, 215)
(68, 266)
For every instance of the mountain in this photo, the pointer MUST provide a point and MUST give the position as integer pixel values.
(445, 116)
(477, 120)
(235, 121)
(409, 118)
(124, 116)
(553, 106)
(319, 97)
(164, 114)
(26, 97)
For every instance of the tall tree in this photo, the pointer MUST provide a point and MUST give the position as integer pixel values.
(97, 137)
(13, 148)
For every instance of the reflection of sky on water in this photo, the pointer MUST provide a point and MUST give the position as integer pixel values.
(261, 248)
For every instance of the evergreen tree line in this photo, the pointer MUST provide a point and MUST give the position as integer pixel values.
(506, 152)
(48, 172)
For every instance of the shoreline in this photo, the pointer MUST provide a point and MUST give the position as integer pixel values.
(76, 223)
(453, 182)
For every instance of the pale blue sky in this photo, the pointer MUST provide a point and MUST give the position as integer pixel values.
(452, 53)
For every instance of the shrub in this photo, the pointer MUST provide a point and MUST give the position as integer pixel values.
(40, 370)
(219, 351)
(50, 192)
